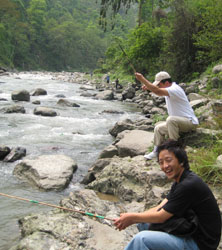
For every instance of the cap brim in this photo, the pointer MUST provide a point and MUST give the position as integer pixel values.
(156, 83)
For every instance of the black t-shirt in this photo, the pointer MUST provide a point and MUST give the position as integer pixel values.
(192, 193)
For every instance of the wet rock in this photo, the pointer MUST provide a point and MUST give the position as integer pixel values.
(44, 111)
(4, 150)
(15, 154)
(22, 95)
(66, 103)
(105, 95)
(39, 91)
(14, 109)
(47, 172)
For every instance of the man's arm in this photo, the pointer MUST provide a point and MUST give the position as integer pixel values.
(154, 215)
(149, 86)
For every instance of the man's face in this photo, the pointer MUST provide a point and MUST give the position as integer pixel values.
(170, 165)
(163, 85)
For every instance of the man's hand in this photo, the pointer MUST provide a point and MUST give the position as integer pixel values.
(125, 220)
(144, 87)
(139, 77)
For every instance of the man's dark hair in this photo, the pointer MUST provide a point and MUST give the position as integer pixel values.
(165, 80)
(177, 149)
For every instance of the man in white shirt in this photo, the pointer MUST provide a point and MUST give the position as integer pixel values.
(181, 116)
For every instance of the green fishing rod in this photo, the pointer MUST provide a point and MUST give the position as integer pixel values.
(55, 206)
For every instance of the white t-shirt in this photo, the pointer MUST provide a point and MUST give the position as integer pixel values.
(178, 104)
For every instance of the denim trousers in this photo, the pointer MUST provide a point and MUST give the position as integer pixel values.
(155, 240)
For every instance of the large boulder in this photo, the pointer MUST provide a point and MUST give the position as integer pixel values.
(127, 178)
(47, 172)
(73, 231)
(135, 142)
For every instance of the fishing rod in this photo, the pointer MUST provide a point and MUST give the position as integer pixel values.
(55, 206)
(134, 70)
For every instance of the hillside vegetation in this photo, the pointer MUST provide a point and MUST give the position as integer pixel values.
(55, 35)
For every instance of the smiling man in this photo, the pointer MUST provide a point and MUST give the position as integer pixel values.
(188, 193)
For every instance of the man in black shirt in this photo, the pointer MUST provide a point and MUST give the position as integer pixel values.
(188, 193)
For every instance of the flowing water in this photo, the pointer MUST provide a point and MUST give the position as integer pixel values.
(81, 133)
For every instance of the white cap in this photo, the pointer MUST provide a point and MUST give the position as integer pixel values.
(162, 75)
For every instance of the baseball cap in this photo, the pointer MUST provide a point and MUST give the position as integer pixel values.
(162, 75)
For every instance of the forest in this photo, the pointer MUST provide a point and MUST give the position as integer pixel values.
(182, 37)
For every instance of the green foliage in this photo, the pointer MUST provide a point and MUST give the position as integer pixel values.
(157, 118)
(188, 40)
(203, 162)
(54, 34)
(209, 37)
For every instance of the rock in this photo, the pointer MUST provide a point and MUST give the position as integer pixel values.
(112, 112)
(219, 161)
(128, 93)
(14, 109)
(127, 124)
(200, 138)
(109, 152)
(216, 82)
(15, 154)
(217, 69)
(105, 95)
(39, 91)
(4, 150)
(217, 107)
(135, 142)
(44, 111)
(63, 102)
(36, 102)
(74, 231)
(198, 103)
(128, 178)
(22, 95)
(47, 172)
(195, 96)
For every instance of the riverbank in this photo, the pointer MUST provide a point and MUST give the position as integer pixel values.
(120, 170)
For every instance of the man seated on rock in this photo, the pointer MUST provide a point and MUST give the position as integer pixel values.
(181, 115)
(188, 194)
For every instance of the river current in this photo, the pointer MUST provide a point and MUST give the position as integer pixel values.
(81, 133)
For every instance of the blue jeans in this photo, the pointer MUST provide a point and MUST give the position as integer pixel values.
(155, 240)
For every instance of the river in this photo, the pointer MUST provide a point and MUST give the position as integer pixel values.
(81, 133)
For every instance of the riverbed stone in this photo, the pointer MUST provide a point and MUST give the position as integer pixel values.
(105, 95)
(47, 172)
(39, 91)
(21, 95)
(44, 111)
(13, 109)
(15, 154)
(4, 150)
(66, 103)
